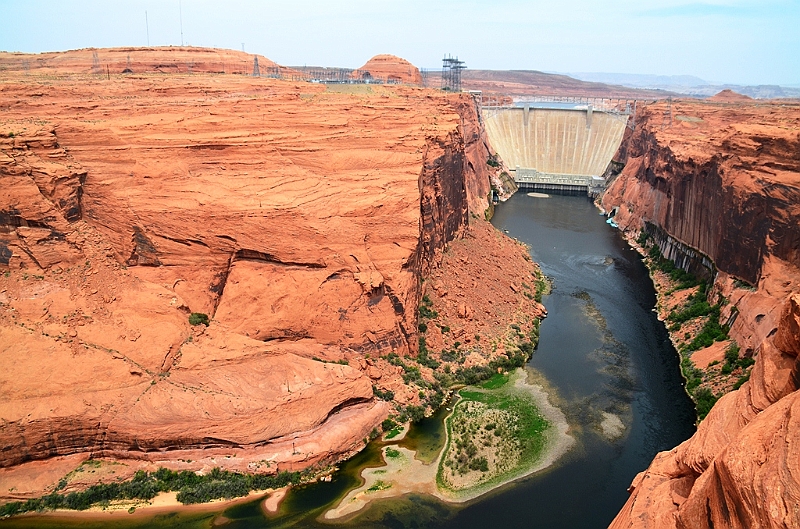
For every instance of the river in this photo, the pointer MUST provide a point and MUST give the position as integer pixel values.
(603, 358)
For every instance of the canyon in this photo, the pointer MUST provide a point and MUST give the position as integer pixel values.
(311, 223)
(717, 183)
(299, 218)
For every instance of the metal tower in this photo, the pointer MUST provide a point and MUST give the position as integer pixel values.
(256, 71)
(451, 73)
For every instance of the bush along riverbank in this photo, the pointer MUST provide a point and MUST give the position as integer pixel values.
(191, 488)
(710, 360)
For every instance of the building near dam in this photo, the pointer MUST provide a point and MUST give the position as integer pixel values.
(556, 147)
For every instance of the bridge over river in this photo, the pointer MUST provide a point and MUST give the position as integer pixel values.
(557, 145)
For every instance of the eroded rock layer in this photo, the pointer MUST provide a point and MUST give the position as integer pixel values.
(391, 69)
(298, 219)
(723, 179)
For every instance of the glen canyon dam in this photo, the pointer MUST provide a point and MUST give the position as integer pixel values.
(235, 293)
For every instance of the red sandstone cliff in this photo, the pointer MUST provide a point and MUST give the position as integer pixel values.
(724, 179)
(300, 220)
(390, 68)
(132, 60)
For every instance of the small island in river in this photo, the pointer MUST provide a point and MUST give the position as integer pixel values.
(499, 431)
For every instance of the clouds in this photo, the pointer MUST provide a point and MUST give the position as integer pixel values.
(731, 41)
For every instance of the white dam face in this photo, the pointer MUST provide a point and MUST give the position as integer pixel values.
(555, 141)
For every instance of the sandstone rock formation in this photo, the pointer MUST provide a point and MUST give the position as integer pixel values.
(391, 69)
(724, 180)
(729, 96)
(299, 219)
(144, 60)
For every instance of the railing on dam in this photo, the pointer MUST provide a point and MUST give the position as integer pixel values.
(533, 179)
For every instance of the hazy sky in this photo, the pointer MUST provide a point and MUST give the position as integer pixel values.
(733, 41)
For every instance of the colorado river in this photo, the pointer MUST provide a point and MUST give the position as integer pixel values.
(604, 360)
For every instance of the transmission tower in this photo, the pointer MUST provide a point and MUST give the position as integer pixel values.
(96, 63)
(451, 73)
(667, 121)
(256, 71)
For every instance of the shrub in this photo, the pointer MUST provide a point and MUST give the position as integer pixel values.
(196, 318)
(705, 399)
(426, 312)
(415, 413)
(387, 395)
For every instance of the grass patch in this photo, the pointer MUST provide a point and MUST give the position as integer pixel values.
(392, 453)
(394, 432)
(497, 381)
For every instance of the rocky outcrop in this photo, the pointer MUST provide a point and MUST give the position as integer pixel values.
(299, 219)
(724, 180)
(106, 62)
(389, 68)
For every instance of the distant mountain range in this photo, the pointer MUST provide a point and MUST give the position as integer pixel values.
(686, 84)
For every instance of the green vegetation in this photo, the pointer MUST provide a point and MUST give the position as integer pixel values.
(341, 361)
(387, 395)
(732, 361)
(541, 286)
(495, 431)
(492, 161)
(388, 424)
(711, 332)
(659, 262)
(704, 399)
(742, 379)
(475, 374)
(379, 485)
(741, 283)
(696, 306)
(392, 453)
(191, 487)
(698, 382)
(498, 380)
(197, 318)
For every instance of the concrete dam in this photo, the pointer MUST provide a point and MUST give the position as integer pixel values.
(556, 149)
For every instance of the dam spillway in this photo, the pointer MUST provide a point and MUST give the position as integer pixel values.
(555, 148)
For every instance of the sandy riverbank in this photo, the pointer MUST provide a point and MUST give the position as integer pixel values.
(403, 474)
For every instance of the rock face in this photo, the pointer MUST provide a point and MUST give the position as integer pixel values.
(724, 180)
(300, 220)
(391, 69)
(130, 60)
